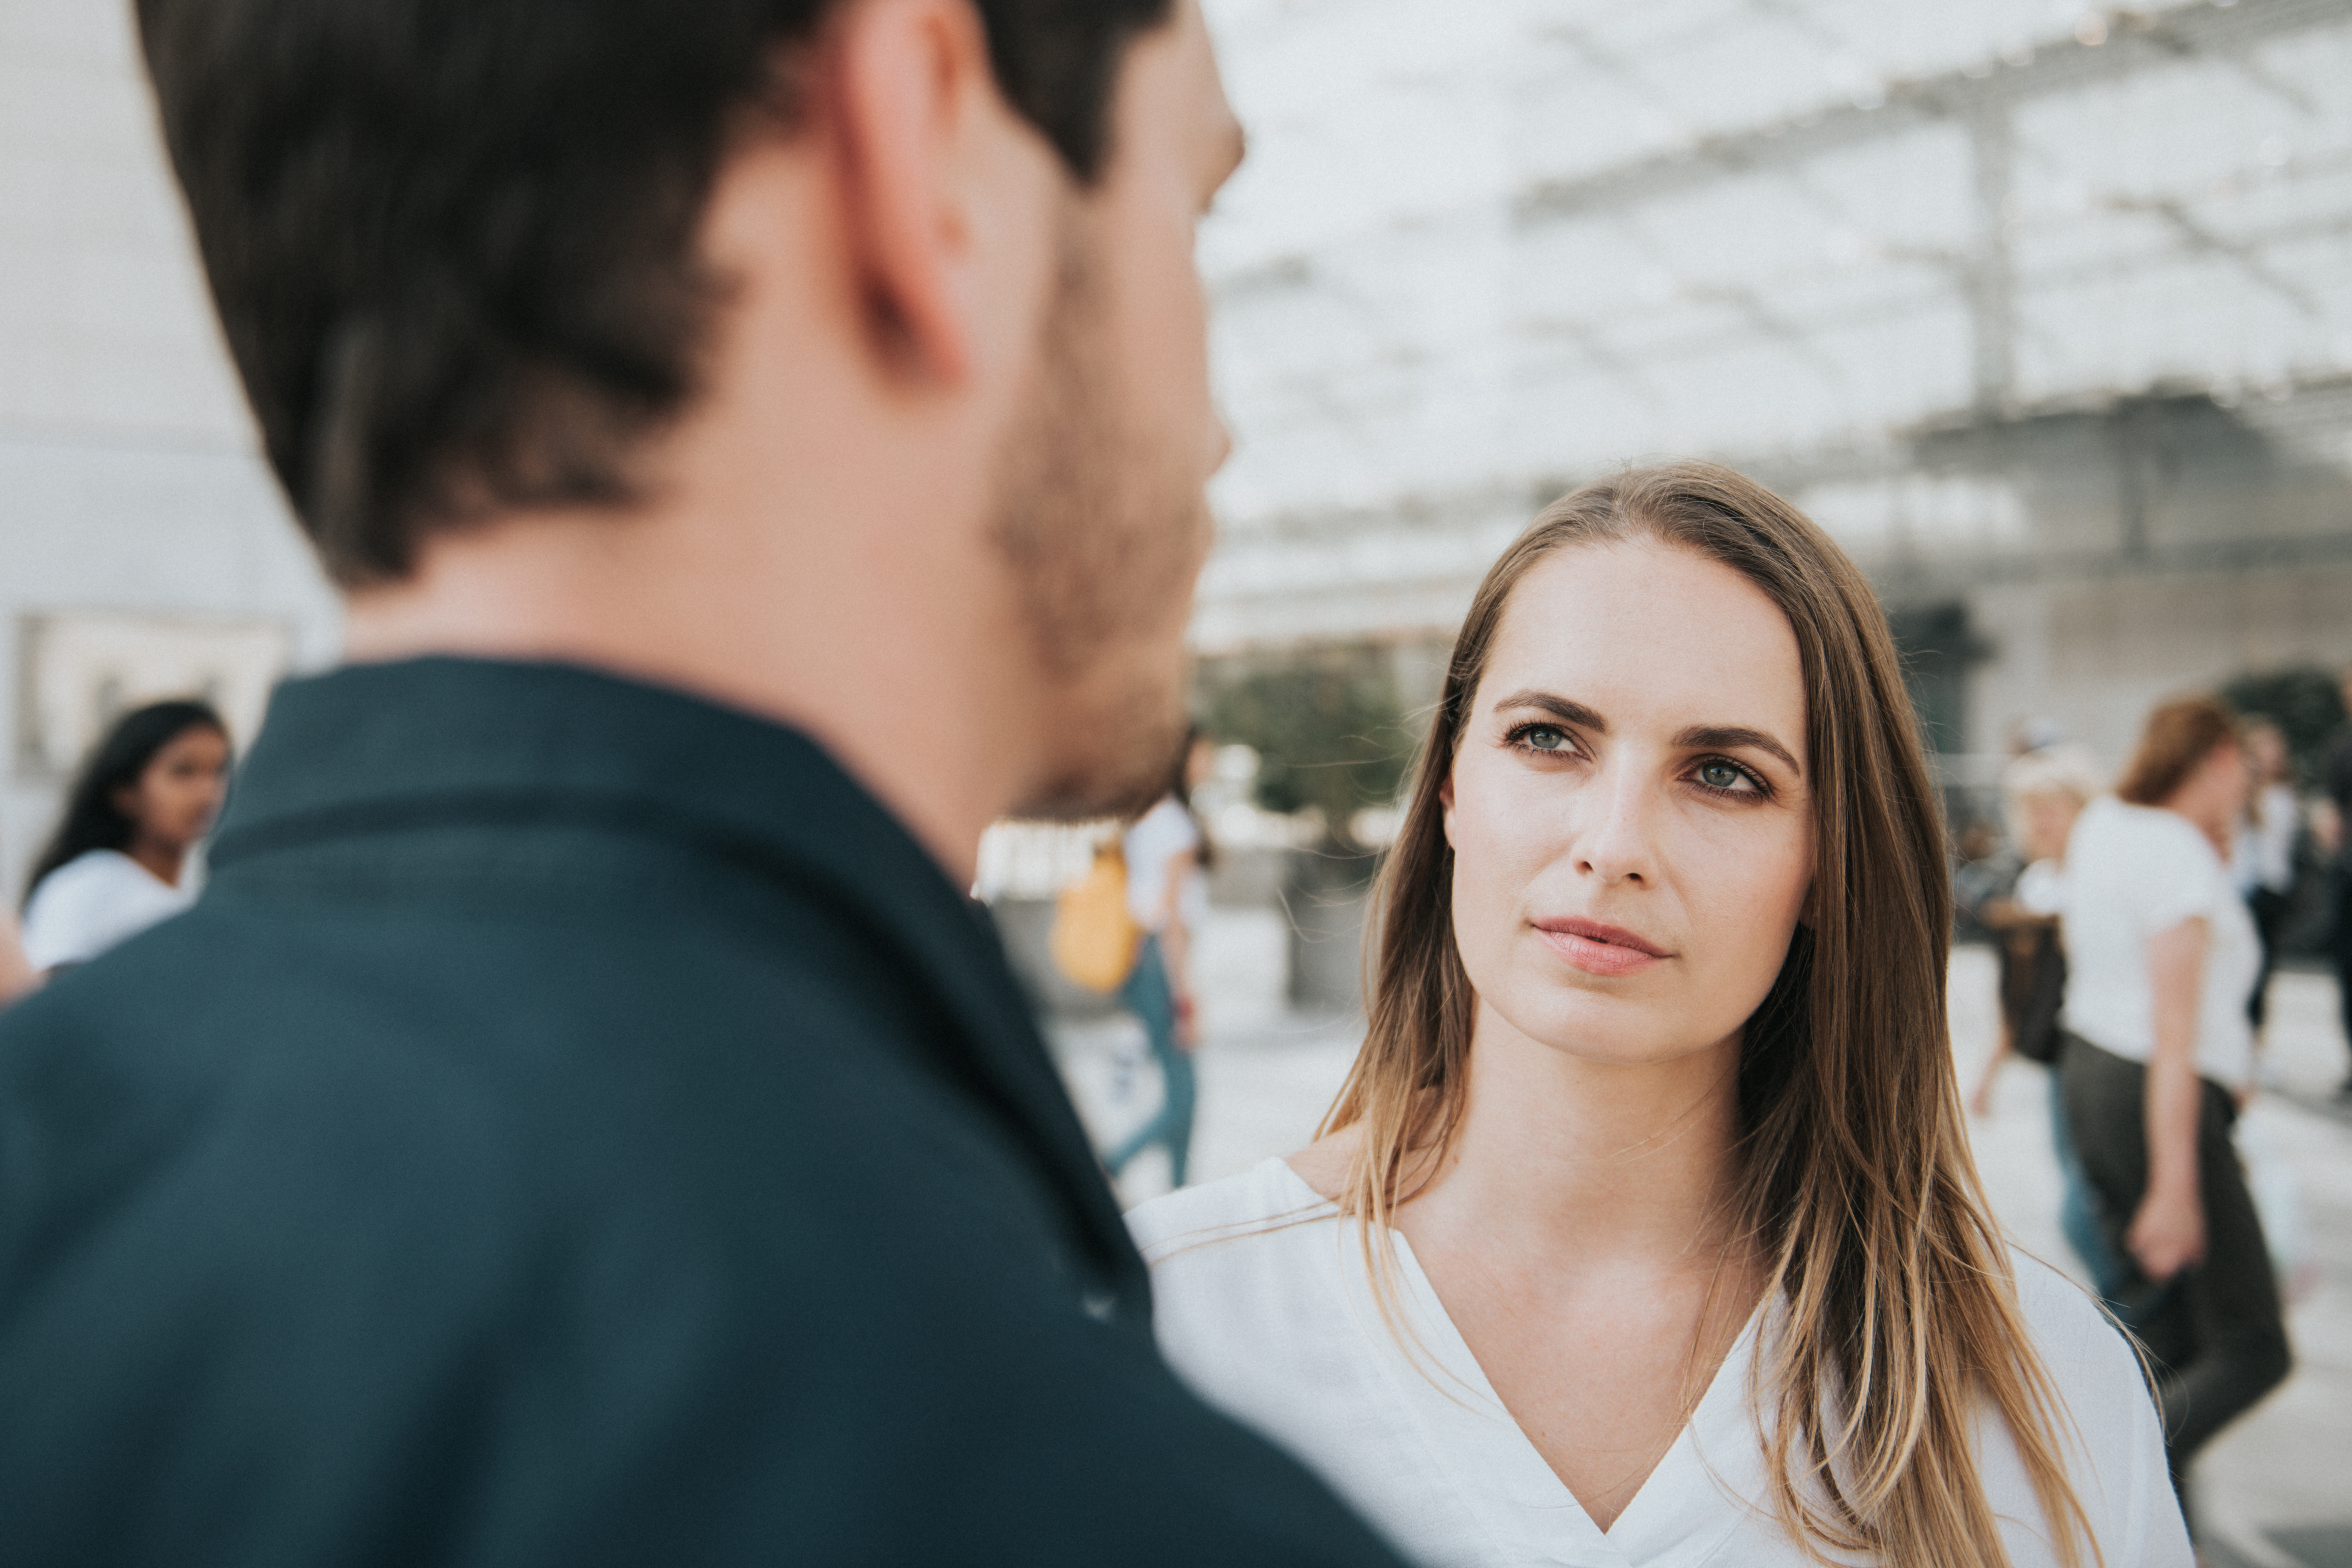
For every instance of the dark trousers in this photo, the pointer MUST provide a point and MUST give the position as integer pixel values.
(2078, 1206)
(2270, 911)
(2341, 943)
(2215, 1333)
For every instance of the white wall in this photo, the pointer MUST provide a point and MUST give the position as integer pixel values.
(129, 474)
(2096, 655)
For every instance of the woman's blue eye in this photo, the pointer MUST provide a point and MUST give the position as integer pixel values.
(1720, 775)
(1544, 738)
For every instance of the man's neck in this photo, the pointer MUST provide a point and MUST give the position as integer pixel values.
(908, 695)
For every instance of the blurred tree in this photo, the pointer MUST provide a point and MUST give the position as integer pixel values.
(1326, 725)
(2303, 700)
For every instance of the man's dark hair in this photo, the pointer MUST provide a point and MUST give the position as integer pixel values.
(451, 241)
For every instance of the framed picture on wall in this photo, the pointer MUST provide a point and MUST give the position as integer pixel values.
(79, 670)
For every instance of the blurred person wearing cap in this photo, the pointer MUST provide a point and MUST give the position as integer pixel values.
(2043, 792)
(2027, 736)
(582, 1122)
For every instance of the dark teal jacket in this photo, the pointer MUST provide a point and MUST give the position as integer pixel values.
(578, 1126)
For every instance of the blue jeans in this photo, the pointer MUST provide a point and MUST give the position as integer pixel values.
(1148, 997)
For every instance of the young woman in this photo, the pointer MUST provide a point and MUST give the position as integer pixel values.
(1644, 1230)
(2161, 955)
(118, 861)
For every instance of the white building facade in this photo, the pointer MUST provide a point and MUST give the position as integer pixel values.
(144, 550)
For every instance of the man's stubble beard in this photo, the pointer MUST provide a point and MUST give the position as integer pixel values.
(1104, 533)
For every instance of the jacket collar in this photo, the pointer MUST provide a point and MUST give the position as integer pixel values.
(447, 738)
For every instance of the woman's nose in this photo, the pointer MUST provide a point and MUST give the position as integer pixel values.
(1614, 842)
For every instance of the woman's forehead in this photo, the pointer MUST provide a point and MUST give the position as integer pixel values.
(1646, 624)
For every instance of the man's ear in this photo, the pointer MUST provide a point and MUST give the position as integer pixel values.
(914, 99)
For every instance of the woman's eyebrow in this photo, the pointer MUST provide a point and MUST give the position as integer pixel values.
(1558, 707)
(1726, 738)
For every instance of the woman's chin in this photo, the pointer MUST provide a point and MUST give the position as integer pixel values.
(1618, 1031)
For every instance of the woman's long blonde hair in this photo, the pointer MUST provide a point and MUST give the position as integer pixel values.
(1894, 1298)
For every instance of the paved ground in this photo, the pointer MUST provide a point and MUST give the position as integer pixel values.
(2276, 1491)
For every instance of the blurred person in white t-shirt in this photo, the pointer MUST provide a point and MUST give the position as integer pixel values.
(2161, 954)
(119, 860)
(1167, 895)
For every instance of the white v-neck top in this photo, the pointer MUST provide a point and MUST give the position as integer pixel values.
(1264, 1304)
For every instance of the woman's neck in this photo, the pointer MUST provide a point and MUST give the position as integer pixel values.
(1582, 1240)
(161, 862)
(2216, 825)
(1563, 1160)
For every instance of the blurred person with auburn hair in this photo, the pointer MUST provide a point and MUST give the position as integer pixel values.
(1645, 1229)
(2161, 954)
(584, 1121)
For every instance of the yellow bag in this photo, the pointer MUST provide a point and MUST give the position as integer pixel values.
(1094, 939)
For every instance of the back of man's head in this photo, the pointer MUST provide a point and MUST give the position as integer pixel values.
(452, 241)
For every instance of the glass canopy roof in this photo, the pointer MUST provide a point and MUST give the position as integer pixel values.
(1485, 246)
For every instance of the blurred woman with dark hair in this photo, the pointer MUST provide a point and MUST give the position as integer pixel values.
(118, 861)
(2161, 955)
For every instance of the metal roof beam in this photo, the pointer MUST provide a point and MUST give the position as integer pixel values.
(2133, 39)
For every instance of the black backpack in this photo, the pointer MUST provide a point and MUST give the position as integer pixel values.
(2032, 989)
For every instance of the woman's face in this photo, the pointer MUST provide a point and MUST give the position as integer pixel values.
(176, 798)
(1629, 814)
(1199, 762)
(2233, 783)
(2266, 753)
(2048, 818)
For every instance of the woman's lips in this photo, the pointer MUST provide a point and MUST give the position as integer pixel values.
(1599, 949)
